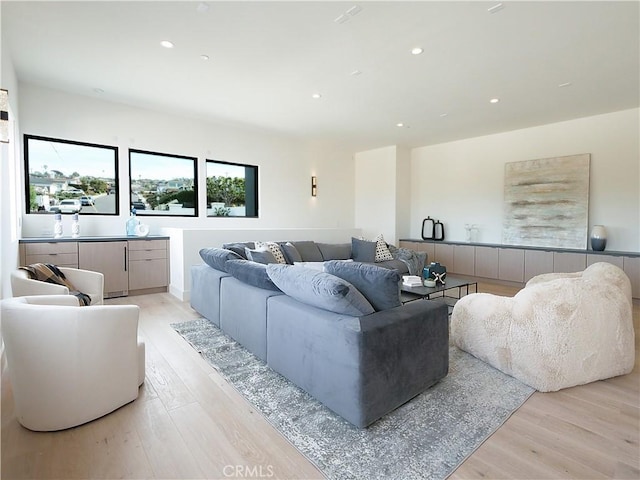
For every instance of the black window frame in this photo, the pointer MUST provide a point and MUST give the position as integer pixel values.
(146, 212)
(252, 193)
(27, 181)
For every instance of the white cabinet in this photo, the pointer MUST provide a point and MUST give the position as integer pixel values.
(486, 262)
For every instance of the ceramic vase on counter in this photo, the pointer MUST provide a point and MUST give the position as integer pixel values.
(598, 238)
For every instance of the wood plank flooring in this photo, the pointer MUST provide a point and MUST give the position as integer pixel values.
(188, 423)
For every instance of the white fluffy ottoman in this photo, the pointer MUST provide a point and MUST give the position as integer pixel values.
(559, 331)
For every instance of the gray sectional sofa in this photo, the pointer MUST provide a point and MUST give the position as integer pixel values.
(350, 344)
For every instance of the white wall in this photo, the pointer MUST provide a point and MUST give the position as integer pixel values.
(10, 178)
(462, 182)
(375, 193)
(285, 164)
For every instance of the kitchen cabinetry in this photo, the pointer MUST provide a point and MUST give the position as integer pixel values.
(567, 262)
(148, 266)
(511, 264)
(60, 254)
(130, 265)
(537, 262)
(486, 262)
(109, 258)
(464, 258)
(443, 254)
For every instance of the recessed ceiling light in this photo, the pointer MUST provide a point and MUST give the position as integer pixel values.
(400, 124)
(204, 57)
(417, 50)
(494, 100)
(496, 8)
(566, 84)
(355, 73)
(316, 96)
(444, 114)
(166, 44)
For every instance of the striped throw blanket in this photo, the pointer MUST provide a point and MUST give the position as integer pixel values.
(45, 272)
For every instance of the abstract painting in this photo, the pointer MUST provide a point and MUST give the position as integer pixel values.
(546, 202)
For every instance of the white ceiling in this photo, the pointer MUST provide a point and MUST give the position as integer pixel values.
(268, 58)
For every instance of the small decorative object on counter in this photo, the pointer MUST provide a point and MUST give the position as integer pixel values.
(436, 272)
(598, 238)
(438, 230)
(57, 226)
(132, 223)
(427, 228)
(142, 230)
(75, 226)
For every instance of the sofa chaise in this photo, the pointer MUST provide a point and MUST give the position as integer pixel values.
(350, 344)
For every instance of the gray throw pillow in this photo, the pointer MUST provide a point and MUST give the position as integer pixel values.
(251, 273)
(260, 256)
(379, 285)
(363, 250)
(218, 257)
(335, 251)
(290, 253)
(319, 289)
(239, 247)
(309, 251)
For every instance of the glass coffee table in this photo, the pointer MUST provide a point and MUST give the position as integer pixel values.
(449, 293)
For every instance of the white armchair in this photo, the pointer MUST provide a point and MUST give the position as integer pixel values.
(86, 281)
(69, 365)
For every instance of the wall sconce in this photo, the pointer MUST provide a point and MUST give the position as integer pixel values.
(4, 115)
(314, 186)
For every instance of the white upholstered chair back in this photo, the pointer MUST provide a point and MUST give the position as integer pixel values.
(86, 281)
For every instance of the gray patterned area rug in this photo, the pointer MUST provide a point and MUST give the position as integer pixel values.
(427, 438)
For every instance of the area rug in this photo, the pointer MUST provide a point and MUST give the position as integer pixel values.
(428, 437)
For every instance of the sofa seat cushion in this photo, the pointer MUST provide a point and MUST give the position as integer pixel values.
(251, 273)
(218, 257)
(379, 285)
(319, 289)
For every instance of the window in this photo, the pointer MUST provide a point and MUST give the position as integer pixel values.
(232, 190)
(163, 184)
(58, 170)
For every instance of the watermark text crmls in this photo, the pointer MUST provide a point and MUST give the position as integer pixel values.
(247, 471)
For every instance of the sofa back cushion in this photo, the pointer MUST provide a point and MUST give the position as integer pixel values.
(335, 251)
(363, 250)
(290, 253)
(238, 247)
(379, 285)
(309, 251)
(251, 273)
(218, 257)
(319, 289)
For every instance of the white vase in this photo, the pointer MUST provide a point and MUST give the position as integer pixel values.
(598, 238)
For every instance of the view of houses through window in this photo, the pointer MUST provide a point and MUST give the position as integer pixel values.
(64, 176)
(163, 184)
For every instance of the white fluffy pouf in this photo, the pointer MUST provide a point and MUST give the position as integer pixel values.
(561, 330)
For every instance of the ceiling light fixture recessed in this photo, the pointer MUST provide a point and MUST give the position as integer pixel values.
(496, 8)
(566, 84)
(166, 44)
(417, 50)
(494, 100)
(204, 57)
(355, 73)
(443, 115)
(316, 96)
(400, 124)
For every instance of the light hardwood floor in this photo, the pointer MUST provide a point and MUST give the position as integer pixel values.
(189, 424)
